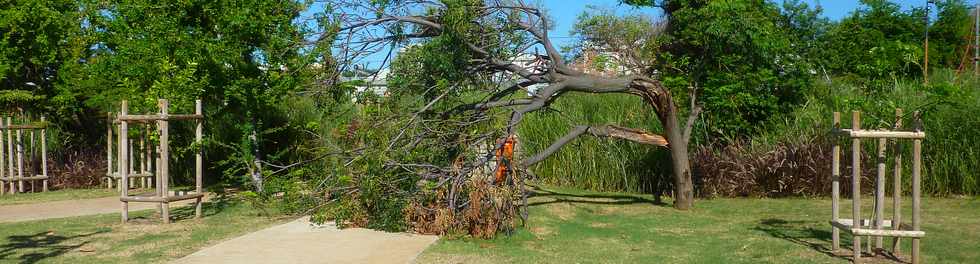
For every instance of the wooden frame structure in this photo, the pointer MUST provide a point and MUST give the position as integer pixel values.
(878, 227)
(162, 195)
(12, 155)
(145, 158)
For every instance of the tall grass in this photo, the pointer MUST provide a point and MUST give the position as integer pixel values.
(589, 162)
(790, 154)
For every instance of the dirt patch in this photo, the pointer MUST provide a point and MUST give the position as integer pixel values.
(564, 211)
(541, 231)
(600, 225)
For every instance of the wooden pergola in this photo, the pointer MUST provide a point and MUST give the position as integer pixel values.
(877, 226)
(162, 194)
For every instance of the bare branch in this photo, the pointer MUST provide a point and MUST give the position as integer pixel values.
(612, 131)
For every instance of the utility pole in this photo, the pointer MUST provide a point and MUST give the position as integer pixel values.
(976, 40)
(925, 66)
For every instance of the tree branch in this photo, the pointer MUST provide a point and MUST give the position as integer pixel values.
(611, 131)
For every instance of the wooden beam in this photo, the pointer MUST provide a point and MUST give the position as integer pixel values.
(158, 117)
(857, 133)
(166, 199)
(25, 178)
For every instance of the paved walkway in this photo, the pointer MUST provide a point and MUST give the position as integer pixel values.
(301, 242)
(69, 208)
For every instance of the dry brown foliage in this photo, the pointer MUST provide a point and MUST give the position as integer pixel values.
(490, 209)
(787, 169)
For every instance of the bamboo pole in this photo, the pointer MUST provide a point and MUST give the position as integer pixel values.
(880, 193)
(198, 157)
(897, 185)
(123, 172)
(164, 127)
(916, 192)
(835, 179)
(856, 183)
(44, 155)
(11, 154)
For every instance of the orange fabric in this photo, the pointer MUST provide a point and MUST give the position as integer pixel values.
(504, 156)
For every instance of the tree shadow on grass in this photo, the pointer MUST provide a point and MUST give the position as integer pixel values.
(209, 208)
(41, 246)
(607, 199)
(799, 232)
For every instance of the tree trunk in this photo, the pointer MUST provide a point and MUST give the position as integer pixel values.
(677, 136)
(256, 168)
(680, 161)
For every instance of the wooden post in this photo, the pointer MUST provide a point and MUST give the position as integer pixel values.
(164, 127)
(44, 154)
(897, 185)
(856, 183)
(151, 160)
(20, 161)
(123, 162)
(129, 164)
(198, 158)
(3, 165)
(916, 192)
(32, 156)
(108, 146)
(835, 179)
(143, 161)
(10, 151)
(880, 193)
(159, 180)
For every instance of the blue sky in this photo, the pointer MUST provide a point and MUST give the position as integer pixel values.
(564, 13)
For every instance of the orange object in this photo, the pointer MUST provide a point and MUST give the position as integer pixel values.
(505, 154)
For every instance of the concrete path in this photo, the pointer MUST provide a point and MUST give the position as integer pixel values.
(69, 208)
(301, 242)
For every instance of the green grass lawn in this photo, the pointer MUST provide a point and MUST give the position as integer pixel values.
(569, 226)
(58, 195)
(103, 239)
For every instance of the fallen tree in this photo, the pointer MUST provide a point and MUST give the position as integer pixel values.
(494, 45)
